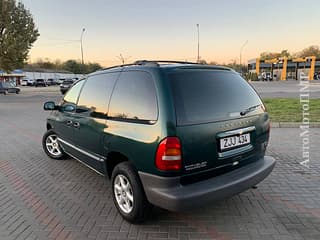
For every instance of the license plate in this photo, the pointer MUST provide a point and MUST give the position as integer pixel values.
(234, 141)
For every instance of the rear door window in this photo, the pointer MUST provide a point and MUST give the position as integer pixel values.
(203, 96)
(134, 98)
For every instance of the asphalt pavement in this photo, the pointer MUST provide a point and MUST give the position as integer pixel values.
(287, 89)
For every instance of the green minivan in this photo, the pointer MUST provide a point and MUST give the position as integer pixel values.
(170, 134)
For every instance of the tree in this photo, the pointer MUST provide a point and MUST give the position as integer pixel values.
(213, 63)
(76, 67)
(17, 34)
(285, 53)
(241, 68)
(72, 66)
(269, 55)
(272, 55)
(202, 61)
(92, 67)
(310, 51)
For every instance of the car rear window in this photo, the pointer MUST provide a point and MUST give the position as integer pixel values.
(67, 82)
(203, 96)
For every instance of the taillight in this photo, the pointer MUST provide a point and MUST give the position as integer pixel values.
(168, 156)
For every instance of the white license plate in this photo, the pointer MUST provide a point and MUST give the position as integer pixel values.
(234, 141)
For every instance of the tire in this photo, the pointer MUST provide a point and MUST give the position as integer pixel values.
(5, 92)
(51, 146)
(134, 211)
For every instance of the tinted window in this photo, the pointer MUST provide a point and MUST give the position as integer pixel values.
(134, 98)
(73, 93)
(95, 95)
(210, 95)
(67, 82)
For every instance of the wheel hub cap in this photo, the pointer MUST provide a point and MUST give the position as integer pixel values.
(52, 145)
(123, 193)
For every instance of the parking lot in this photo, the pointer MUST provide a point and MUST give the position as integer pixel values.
(41, 198)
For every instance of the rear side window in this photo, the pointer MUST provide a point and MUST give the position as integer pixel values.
(95, 95)
(203, 96)
(134, 98)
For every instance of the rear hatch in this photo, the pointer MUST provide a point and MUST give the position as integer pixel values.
(221, 121)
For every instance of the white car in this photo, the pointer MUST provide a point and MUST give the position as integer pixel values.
(27, 81)
(24, 82)
(303, 76)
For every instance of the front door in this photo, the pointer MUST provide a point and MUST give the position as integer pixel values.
(64, 117)
(90, 121)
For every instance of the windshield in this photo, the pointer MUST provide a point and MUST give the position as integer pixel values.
(203, 96)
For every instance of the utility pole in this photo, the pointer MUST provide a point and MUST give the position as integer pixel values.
(82, 62)
(198, 57)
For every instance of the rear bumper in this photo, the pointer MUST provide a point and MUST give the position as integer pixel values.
(169, 194)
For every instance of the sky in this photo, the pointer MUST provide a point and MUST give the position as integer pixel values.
(167, 29)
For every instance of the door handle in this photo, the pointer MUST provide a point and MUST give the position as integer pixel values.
(76, 124)
(69, 122)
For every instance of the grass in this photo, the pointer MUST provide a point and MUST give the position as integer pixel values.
(290, 109)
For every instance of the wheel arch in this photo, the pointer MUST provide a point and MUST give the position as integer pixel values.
(113, 159)
(49, 126)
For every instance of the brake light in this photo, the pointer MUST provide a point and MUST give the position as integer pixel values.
(168, 157)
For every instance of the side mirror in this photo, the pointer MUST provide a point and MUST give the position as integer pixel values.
(50, 106)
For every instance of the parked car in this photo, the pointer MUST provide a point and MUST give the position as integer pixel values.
(24, 82)
(266, 76)
(60, 80)
(27, 82)
(175, 135)
(303, 76)
(40, 83)
(65, 85)
(7, 87)
(50, 82)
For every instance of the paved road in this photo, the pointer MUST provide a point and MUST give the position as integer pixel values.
(45, 199)
(286, 89)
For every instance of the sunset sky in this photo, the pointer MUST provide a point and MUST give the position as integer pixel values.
(166, 29)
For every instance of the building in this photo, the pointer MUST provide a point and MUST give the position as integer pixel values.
(287, 69)
(15, 76)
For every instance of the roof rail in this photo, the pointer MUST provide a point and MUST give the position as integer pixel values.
(116, 66)
(150, 62)
(143, 62)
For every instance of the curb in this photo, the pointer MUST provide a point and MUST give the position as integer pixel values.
(294, 124)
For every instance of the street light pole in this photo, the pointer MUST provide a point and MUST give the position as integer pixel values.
(81, 45)
(198, 58)
(241, 50)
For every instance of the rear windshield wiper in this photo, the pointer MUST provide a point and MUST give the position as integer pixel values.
(250, 109)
